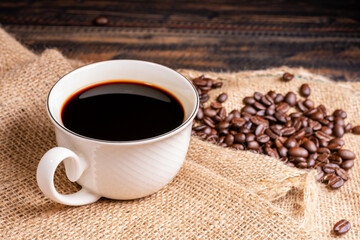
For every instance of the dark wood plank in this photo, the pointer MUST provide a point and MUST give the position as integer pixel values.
(218, 35)
(336, 54)
(260, 15)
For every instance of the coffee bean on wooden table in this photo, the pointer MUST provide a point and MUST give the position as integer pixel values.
(308, 137)
(341, 227)
(101, 20)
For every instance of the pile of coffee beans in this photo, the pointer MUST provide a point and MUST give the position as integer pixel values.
(308, 137)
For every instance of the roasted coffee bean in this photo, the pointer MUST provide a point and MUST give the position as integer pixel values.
(240, 137)
(323, 157)
(336, 182)
(279, 141)
(222, 125)
(280, 116)
(238, 122)
(229, 139)
(342, 173)
(300, 134)
(212, 138)
(204, 98)
(249, 109)
(279, 98)
(301, 106)
(101, 21)
(272, 152)
(283, 151)
(333, 158)
(315, 125)
(334, 146)
(322, 135)
(310, 163)
(261, 113)
(282, 107)
(215, 105)
(236, 113)
(224, 131)
(253, 145)
(210, 112)
(317, 115)
(270, 111)
(310, 111)
(309, 104)
(257, 120)
(339, 121)
(259, 106)
(207, 130)
(330, 167)
(267, 100)
(290, 143)
(327, 177)
(271, 134)
(260, 129)
(322, 108)
(340, 113)
(323, 150)
(262, 138)
(341, 227)
(250, 137)
(200, 114)
(217, 85)
(302, 165)
(347, 164)
(208, 121)
(346, 154)
(272, 94)
(238, 146)
(356, 130)
(199, 128)
(222, 113)
(270, 118)
(326, 130)
(258, 96)
(338, 130)
(290, 98)
(298, 152)
(287, 131)
(244, 130)
(249, 100)
(222, 97)
(337, 141)
(320, 174)
(287, 77)
(310, 146)
(305, 90)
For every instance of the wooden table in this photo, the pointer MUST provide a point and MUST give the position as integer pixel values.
(215, 35)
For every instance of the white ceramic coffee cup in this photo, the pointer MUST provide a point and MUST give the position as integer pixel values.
(116, 169)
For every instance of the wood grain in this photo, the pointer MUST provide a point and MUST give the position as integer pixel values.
(205, 35)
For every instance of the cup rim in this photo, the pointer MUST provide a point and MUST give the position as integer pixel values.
(132, 142)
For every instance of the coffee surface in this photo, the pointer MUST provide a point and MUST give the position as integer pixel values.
(122, 111)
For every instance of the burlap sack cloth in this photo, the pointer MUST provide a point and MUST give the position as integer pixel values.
(218, 194)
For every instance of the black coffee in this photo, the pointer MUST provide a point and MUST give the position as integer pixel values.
(122, 111)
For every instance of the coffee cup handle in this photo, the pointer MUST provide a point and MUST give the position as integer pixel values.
(74, 167)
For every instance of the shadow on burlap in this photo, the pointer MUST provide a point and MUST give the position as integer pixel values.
(218, 194)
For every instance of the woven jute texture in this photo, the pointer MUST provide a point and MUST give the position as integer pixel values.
(219, 193)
